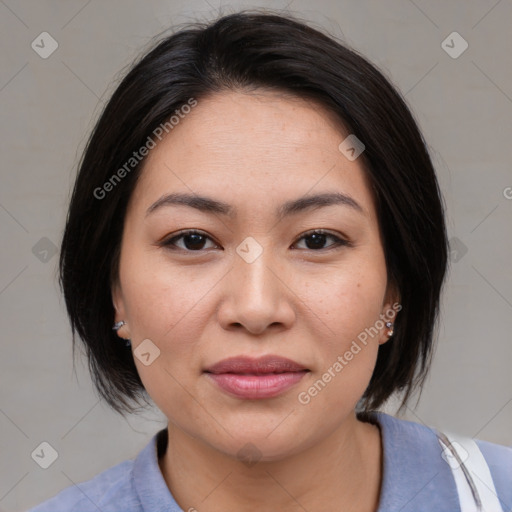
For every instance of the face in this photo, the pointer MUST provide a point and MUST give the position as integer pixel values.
(254, 280)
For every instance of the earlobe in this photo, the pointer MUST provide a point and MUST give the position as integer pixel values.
(120, 323)
(391, 309)
(117, 327)
(387, 333)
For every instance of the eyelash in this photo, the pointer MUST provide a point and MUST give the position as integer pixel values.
(339, 242)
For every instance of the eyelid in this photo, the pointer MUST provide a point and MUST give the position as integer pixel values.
(340, 240)
(166, 242)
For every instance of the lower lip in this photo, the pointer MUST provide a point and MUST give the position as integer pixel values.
(253, 387)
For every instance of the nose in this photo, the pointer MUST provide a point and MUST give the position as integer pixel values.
(256, 297)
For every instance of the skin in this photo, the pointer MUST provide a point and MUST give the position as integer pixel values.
(255, 151)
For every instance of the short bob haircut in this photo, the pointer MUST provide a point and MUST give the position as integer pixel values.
(249, 51)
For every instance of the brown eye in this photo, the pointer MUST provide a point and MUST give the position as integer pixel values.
(195, 241)
(192, 241)
(315, 240)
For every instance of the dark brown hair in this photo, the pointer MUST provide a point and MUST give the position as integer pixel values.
(241, 51)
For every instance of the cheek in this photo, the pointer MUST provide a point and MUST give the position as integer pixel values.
(160, 298)
(346, 303)
(348, 312)
(346, 329)
(165, 307)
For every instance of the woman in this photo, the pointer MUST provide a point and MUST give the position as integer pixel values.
(222, 160)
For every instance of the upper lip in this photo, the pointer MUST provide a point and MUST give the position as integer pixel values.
(260, 365)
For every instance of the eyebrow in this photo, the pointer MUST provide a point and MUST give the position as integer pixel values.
(213, 206)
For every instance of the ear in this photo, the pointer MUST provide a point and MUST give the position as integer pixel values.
(120, 310)
(390, 310)
(392, 296)
(117, 301)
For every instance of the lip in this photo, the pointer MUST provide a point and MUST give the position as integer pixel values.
(256, 378)
(260, 365)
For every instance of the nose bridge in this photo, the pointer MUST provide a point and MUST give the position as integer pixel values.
(255, 274)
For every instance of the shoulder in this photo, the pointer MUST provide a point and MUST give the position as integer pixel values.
(415, 434)
(131, 486)
(107, 491)
(496, 455)
(417, 471)
(499, 460)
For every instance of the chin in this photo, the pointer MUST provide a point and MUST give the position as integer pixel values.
(260, 446)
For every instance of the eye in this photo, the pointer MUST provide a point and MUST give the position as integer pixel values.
(316, 239)
(195, 241)
(192, 241)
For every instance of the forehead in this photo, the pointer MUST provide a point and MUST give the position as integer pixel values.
(256, 123)
(258, 146)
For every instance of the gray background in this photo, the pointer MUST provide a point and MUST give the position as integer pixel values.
(463, 105)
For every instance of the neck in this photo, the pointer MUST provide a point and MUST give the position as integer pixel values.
(344, 472)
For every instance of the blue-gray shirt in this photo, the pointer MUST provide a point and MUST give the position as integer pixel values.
(415, 476)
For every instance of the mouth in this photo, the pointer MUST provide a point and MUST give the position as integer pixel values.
(252, 379)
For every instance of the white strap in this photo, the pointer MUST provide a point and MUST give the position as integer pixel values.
(471, 473)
